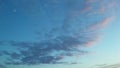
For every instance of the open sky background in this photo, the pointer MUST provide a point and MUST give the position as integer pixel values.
(59, 33)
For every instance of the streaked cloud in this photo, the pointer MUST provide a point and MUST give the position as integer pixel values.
(102, 9)
(86, 9)
(91, 1)
(108, 66)
(48, 52)
(102, 23)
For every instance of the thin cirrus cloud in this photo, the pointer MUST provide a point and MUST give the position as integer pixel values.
(117, 65)
(86, 9)
(102, 23)
(102, 9)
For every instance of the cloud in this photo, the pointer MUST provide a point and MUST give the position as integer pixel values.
(71, 37)
(113, 4)
(48, 52)
(102, 23)
(102, 9)
(54, 50)
(108, 7)
(91, 1)
(107, 20)
(2, 66)
(108, 66)
(86, 9)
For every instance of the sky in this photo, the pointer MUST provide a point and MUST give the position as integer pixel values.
(59, 33)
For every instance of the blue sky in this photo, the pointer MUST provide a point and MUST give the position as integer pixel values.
(59, 33)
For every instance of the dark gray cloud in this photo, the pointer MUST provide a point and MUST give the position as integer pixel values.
(44, 52)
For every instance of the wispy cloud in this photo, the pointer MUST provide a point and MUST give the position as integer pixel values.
(108, 66)
(102, 23)
(107, 20)
(102, 9)
(91, 1)
(86, 9)
(48, 52)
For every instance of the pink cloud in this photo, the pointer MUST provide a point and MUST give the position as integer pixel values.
(98, 26)
(92, 42)
(112, 4)
(102, 23)
(106, 21)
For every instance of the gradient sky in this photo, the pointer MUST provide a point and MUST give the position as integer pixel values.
(59, 33)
